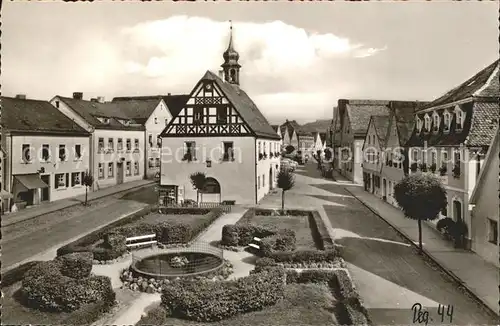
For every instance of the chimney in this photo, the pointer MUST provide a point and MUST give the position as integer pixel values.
(169, 94)
(21, 96)
(221, 74)
(78, 95)
(100, 99)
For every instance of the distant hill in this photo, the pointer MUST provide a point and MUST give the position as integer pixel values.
(318, 125)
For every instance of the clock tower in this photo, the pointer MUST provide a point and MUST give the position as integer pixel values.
(231, 66)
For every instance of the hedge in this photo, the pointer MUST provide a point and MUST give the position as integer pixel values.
(304, 256)
(320, 232)
(243, 234)
(213, 301)
(44, 287)
(76, 265)
(155, 317)
(88, 314)
(114, 234)
(17, 274)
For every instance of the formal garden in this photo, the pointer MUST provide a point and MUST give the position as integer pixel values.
(299, 278)
(65, 291)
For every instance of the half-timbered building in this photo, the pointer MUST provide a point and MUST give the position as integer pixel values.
(219, 132)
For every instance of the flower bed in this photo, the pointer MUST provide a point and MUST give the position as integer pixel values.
(153, 285)
(108, 243)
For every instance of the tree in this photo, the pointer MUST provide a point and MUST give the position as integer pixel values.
(421, 196)
(289, 149)
(88, 181)
(198, 181)
(328, 154)
(286, 181)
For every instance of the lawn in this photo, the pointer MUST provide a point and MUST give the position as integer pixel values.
(299, 224)
(304, 304)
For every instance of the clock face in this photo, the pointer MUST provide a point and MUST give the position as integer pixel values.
(208, 87)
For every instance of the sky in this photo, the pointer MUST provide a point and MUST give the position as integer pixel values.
(297, 59)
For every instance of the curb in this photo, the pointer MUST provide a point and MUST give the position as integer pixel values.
(431, 257)
(9, 223)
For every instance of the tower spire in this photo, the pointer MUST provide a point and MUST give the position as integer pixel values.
(230, 66)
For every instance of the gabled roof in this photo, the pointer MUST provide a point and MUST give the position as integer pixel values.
(275, 127)
(380, 124)
(136, 108)
(359, 114)
(483, 84)
(36, 116)
(90, 111)
(490, 157)
(299, 130)
(322, 136)
(244, 105)
(404, 115)
(485, 116)
(174, 102)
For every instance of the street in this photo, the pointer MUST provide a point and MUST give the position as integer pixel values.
(27, 239)
(389, 274)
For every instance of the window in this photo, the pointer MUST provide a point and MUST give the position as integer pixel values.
(60, 180)
(493, 231)
(136, 168)
(101, 171)
(436, 121)
(136, 144)
(100, 145)
(111, 170)
(156, 121)
(111, 144)
(456, 157)
(228, 151)
(78, 151)
(260, 149)
(446, 117)
(151, 162)
(26, 153)
(258, 182)
(129, 144)
(150, 140)
(45, 152)
(57, 104)
(433, 157)
(414, 156)
(166, 122)
(128, 171)
(222, 115)
(263, 180)
(419, 124)
(460, 117)
(198, 115)
(119, 144)
(444, 156)
(62, 153)
(190, 150)
(157, 161)
(76, 179)
(427, 120)
(158, 141)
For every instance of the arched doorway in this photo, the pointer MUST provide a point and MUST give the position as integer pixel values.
(457, 210)
(271, 178)
(211, 191)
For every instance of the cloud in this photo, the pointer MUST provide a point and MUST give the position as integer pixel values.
(364, 53)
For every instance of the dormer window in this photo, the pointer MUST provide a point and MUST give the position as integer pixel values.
(427, 121)
(419, 124)
(447, 120)
(459, 116)
(435, 121)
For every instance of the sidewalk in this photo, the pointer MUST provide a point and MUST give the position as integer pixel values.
(46, 208)
(481, 280)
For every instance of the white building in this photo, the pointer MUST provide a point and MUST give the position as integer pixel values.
(116, 143)
(219, 132)
(47, 153)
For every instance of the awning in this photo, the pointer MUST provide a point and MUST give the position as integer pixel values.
(31, 181)
(5, 195)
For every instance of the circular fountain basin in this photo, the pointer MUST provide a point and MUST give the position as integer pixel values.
(159, 266)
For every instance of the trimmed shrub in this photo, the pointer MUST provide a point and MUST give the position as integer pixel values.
(230, 235)
(214, 301)
(44, 287)
(134, 230)
(17, 274)
(346, 287)
(76, 265)
(172, 232)
(320, 233)
(88, 314)
(356, 317)
(155, 317)
(243, 234)
(305, 256)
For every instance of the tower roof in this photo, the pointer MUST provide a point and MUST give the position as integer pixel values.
(230, 54)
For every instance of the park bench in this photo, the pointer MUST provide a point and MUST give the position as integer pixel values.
(255, 244)
(142, 240)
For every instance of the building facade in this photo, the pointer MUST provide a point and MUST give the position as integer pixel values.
(221, 133)
(485, 207)
(47, 153)
(452, 135)
(117, 148)
(373, 156)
